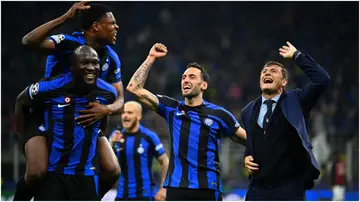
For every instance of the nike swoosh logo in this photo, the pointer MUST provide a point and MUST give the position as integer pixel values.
(60, 106)
(179, 113)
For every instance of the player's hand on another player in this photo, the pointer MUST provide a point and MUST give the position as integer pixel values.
(76, 8)
(117, 136)
(287, 51)
(250, 166)
(158, 51)
(160, 196)
(94, 113)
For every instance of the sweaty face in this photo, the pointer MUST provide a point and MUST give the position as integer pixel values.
(271, 79)
(131, 116)
(107, 28)
(87, 66)
(191, 83)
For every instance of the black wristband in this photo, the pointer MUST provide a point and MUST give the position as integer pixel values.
(296, 54)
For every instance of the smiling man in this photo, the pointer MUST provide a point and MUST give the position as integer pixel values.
(278, 152)
(195, 127)
(73, 168)
(99, 31)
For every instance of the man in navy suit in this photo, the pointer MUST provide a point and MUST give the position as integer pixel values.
(278, 152)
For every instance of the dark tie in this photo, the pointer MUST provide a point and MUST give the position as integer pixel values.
(267, 116)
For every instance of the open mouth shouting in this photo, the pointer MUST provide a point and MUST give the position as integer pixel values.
(268, 80)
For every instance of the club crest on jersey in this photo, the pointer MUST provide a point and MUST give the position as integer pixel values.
(42, 128)
(208, 121)
(105, 67)
(67, 100)
(34, 89)
(140, 149)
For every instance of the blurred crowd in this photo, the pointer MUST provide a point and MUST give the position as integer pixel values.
(232, 40)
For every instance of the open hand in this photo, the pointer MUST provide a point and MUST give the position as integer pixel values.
(76, 8)
(287, 51)
(94, 113)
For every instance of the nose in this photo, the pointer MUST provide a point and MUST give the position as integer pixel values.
(90, 68)
(116, 26)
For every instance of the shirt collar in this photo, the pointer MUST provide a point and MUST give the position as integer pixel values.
(276, 98)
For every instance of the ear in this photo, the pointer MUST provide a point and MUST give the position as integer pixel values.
(284, 82)
(204, 85)
(95, 26)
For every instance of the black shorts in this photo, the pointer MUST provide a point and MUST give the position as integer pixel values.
(61, 187)
(182, 194)
(35, 127)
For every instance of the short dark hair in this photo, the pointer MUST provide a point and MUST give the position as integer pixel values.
(283, 69)
(204, 74)
(94, 13)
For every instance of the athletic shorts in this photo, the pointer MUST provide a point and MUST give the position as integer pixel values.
(35, 127)
(61, 187)
(182, 194)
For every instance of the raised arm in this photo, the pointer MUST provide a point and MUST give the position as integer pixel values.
(37, 38)
(319, 79)
(137, 82)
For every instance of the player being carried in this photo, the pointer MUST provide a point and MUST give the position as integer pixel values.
(99, 31)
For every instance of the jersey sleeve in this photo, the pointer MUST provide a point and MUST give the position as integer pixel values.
(229, 123)
(38, 92)
(166, 105)
(158, 146)
(64, 43)
(114, 74)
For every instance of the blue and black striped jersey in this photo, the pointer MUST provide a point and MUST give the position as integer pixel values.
(195, 134)
(136, 155)
(72, 148)
(59, 62)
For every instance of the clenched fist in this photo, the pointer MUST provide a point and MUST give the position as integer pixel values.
(117, 136)
(158, 50)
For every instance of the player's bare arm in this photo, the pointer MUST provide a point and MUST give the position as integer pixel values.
(164, 161)
(22, 106)
(98, 111)
(118, 106)
(240, 136)
(137, 82)
(37, 37)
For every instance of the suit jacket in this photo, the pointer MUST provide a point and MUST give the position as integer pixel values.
(296, 106)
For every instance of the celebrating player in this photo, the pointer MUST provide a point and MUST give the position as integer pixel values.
(136, 146)
(72, 172)
(195, 127)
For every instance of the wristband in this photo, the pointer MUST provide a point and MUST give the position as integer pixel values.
(296, 54)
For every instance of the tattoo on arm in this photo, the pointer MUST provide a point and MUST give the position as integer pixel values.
(141, 75)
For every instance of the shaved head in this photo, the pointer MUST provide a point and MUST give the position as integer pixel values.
(85, 66)
(83, 51)
(131, 116)
(134, 106)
